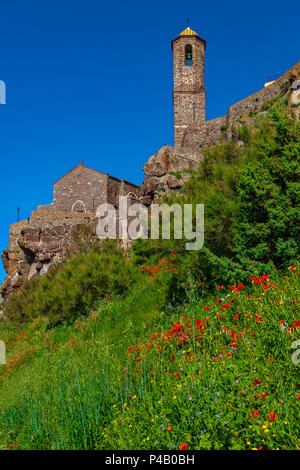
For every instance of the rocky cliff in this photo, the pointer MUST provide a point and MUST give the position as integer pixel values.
(167, 170)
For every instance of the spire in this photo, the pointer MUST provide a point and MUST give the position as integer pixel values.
(188, 32)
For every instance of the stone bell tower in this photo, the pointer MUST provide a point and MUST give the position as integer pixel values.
(189, 94)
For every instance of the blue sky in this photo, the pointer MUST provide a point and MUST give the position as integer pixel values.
(91, 80)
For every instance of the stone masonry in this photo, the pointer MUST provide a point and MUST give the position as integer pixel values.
(189, 94)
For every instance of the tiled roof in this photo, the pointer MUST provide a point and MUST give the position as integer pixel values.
(188, 32)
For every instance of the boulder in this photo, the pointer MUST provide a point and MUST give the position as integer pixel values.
(165, 171)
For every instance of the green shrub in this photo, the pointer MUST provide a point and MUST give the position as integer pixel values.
(72, 288)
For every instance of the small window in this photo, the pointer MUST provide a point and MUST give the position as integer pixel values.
(188, 55)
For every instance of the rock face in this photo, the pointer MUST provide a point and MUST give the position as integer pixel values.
(165, 171)
(38, 243)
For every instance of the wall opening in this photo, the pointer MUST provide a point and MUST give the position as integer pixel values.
(78, 206)
(132, 195)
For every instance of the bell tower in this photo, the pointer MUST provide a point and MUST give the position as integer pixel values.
(189, 94)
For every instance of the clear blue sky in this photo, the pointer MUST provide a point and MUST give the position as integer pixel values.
(92, 80)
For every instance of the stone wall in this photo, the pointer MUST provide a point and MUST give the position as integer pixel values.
(128, 188)
(158, 172)
(209, 133)
(116, 188)
(113, 191)
(84, 189)
(74, 191)
(254, 102)
(189, 110)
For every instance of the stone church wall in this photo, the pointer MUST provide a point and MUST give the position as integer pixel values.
(84, 189)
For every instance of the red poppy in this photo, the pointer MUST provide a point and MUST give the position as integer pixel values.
(170, 428)
(225, 306)
(255, 413)
(256, 382)
(219, 287)
(183, 446)
(272, 415)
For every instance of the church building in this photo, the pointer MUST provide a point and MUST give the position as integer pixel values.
(83, 189)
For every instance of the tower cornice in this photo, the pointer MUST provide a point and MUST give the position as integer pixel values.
(192, 36)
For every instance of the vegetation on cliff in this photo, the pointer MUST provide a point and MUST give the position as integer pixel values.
(73, 287)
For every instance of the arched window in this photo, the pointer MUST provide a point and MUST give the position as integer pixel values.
(132, 196)
(188, 55)
(78, 206)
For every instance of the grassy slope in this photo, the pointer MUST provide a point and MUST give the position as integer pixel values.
(77, 386)
(66, 388)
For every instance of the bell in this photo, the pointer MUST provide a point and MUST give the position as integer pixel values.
(188, 56)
